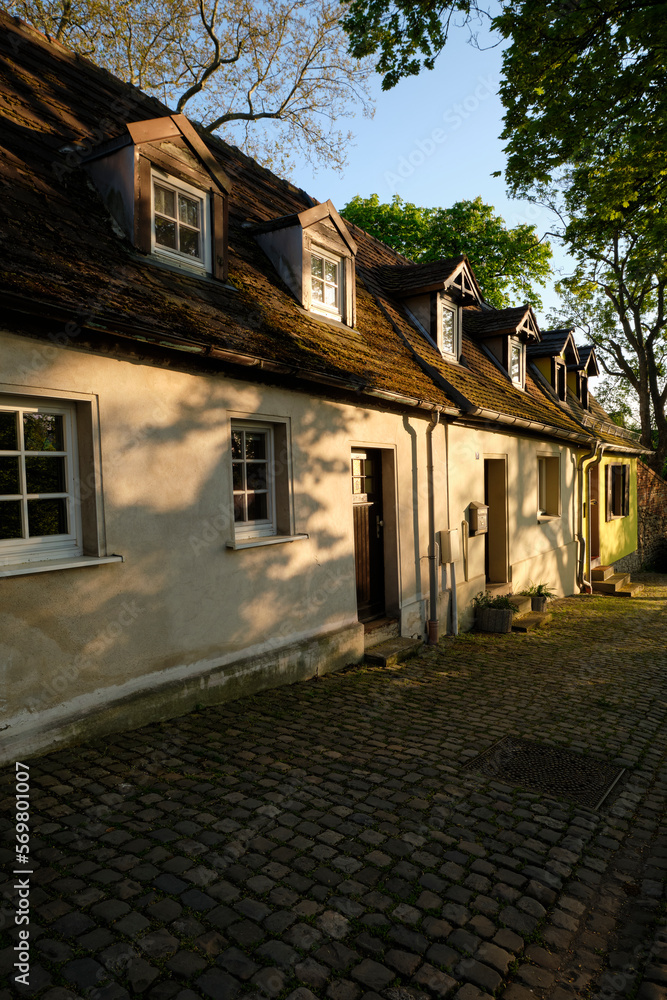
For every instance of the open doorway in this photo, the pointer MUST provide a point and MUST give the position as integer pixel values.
(368, 532)
(594, 510)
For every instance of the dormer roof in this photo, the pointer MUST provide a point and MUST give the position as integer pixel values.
(169, 127)
(453, 275)
(516, 321)
(309, 217)
(589, 362)
(555, 343)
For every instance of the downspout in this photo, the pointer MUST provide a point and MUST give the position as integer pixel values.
(452, 565)
(595, 454)
(432, 624)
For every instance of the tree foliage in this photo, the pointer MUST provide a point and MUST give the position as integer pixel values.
(275, 78)
(507, 262)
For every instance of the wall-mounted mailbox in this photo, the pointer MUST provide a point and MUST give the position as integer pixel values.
(449, 545)
(479, 518)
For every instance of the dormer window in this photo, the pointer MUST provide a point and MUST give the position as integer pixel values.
(560, 379)
(449, 338)
(167, 192)
(180, 223)
(517, 369)
(314, 254)
(325, 282)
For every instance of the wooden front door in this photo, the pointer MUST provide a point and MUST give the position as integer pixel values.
(368, 525)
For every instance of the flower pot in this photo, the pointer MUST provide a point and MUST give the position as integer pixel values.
(494, 619)
(538, 603)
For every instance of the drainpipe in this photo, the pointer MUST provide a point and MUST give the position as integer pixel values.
(595, 454)
(433, 547)
(452, 565)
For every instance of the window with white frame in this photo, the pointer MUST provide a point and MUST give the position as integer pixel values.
(449, 337)
(516, 363)
(39, 510)
(326, 284)
(180, 226)
(548, 486)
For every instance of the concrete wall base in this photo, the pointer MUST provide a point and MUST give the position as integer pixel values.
(33, 734)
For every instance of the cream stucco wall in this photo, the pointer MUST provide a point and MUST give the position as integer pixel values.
(182, 606)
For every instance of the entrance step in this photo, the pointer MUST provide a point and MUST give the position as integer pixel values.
(614, 584)
(392, 651)
(379, 630)
(528, 622)
(602, 572)
(523, 604)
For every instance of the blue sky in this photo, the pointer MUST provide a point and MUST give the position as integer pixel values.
(434, 140)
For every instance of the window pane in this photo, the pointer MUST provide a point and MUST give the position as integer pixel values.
(255, 445)
(188, 242)
(47, 517)
(318, 290)
(239, 508)
(516, 364)
(188, 211)
(164, 201)
(45, 475)
(356, 466)
(237, 444)
(357, 484)
(43, 432)
(257, 476)
(10, 519)
(8, 436)
(331, 295)
(237, 475)
(165, 233)
(316, 264)
(448, 344)
(9, 476)
(258, 508)
(331, 271)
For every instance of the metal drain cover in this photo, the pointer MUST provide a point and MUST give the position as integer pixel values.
(551, 770)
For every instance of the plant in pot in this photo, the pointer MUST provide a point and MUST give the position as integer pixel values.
(494, 614)
(539, 594)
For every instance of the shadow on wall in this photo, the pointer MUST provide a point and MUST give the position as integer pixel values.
(182, 597)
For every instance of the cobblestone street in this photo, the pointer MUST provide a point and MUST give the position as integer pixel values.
(323, 840)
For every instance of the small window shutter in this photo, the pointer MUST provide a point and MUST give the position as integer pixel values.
(219, 221)
(435, 302)
(626, 490)
(142, 206)
(607, 490)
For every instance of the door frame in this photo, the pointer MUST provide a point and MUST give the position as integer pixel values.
(389, 531)
(496, 539)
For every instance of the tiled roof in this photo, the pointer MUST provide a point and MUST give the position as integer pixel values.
(479, 322)
(66, 266)
(402, 279)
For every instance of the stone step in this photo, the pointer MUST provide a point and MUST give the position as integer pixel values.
(602, 572)
(393, 651)
(523, 604)
(629, 590)
(379, 630)
(526, 623)
(611, 584)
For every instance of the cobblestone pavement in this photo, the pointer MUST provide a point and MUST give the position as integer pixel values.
(323, 840)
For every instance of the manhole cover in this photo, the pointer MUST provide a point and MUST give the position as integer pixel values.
(551, 770)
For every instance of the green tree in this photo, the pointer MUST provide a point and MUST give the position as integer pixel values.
(507, 262)
(274, 78)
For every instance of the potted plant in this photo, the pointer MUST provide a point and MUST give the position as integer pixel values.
(494, 614)
(539, 595)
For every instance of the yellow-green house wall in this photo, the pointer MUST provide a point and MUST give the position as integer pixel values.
(618, 537)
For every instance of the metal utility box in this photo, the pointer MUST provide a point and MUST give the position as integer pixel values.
(449, 545)
(479, 518)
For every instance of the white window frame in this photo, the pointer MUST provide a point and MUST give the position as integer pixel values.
(176, 257)
(448, 307)
(512, 347)
(266, 526)
(321, 307)
(63, 546)
(548, 501)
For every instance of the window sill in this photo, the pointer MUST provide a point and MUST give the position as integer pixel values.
(74, 562)
(254, 543)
